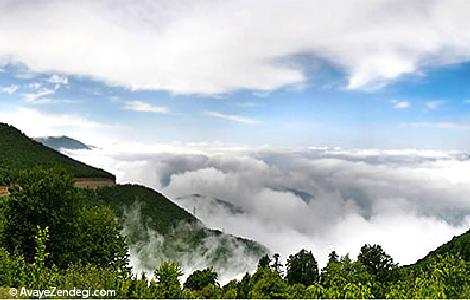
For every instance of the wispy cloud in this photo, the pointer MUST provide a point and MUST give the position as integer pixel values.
(442, 125)
(9, 89)
(34, 97)
(142, 106)
(400, 104)
(234, 118)
(58, 79)
(431, 105)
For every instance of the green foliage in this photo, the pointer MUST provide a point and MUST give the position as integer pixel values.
(443, 277)
(3, 201)
(244, 287)
(230, 290)
(377, 262)
(18, 152)
(267, 283)
(264, 261)
(210, 291)
(346, 279)
(44, 198)
(100, 240)
(168, 285)
(200, 279)
(302, 268)
(13, 270)
(77, 234)
(39, 266)
(296, 291)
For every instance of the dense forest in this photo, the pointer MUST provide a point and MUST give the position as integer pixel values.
(54, 234)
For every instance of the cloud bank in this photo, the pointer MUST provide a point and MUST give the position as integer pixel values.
(321, 199)
(214, 47)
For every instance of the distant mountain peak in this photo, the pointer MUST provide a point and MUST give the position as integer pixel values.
(62, 142)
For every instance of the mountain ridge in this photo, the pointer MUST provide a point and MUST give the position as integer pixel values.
(62, 142)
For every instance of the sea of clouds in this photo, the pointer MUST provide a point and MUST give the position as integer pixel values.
(320, 199)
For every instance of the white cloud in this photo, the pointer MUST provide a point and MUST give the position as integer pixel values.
(34, 97)
(233, 118)
(141, 106)
(58, 79)
(38, 123)
(320, 199)
(431, 105)
(401, 104)
(212, 47)
(9, 89)
(34, 122)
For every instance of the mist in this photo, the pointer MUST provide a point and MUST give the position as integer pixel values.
(320, 199)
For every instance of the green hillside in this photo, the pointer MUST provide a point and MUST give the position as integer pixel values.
(458, 246)
(158, 212)
(148, 216)
(17, 152)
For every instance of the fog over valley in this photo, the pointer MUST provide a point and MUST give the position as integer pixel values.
(321, 199)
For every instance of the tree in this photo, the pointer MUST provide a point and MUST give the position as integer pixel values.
(230, 290)
(302, 268)
(346, 279)
(44, 198)
(200, 278)
(168, 285)
(440, 277)
(101, 242)
(77, 233)
(264, 261)
(376, 261)
(267, 283)
(277, 265)
(333, 257)
(243, 288)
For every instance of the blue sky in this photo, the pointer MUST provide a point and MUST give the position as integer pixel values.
(252, 86)
(430, 110)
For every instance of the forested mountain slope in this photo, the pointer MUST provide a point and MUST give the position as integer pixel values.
(17, 152)
(145, 214)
